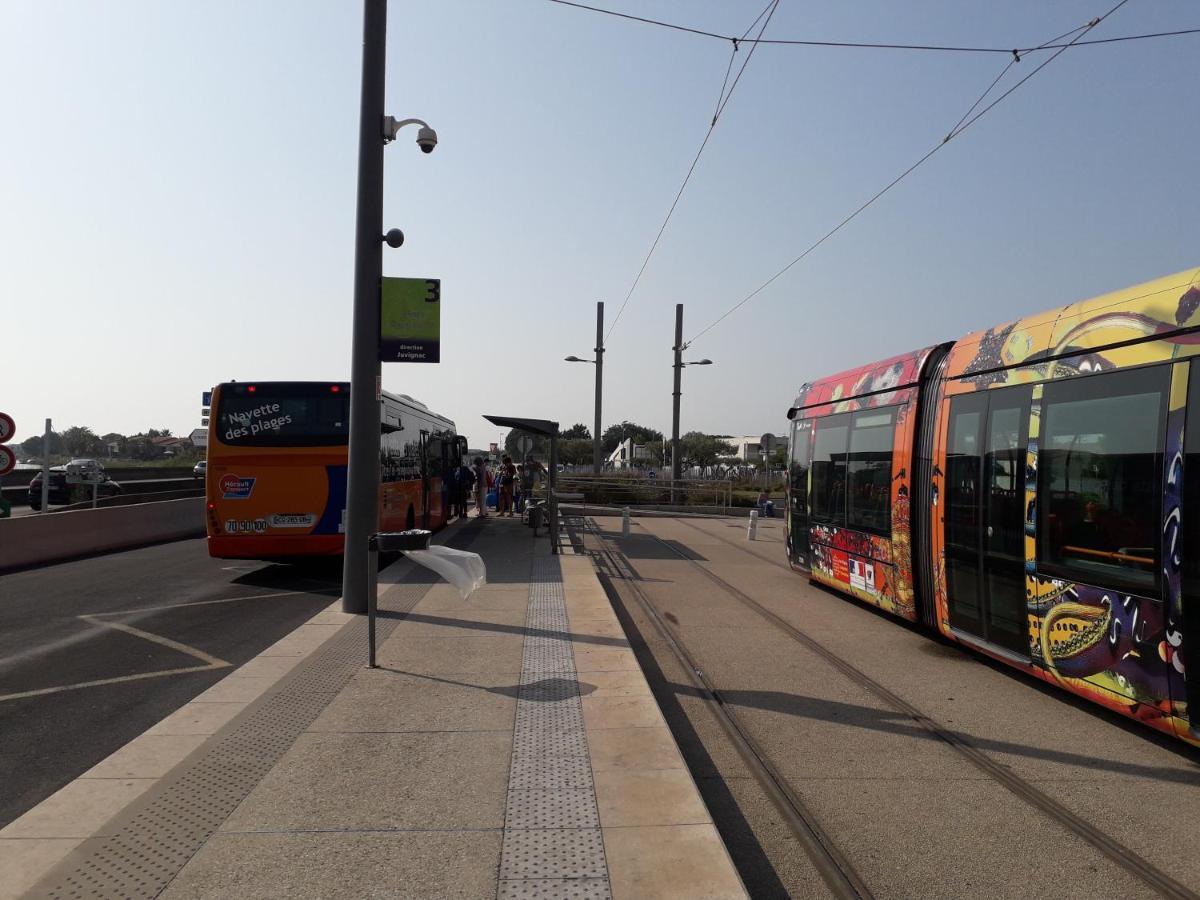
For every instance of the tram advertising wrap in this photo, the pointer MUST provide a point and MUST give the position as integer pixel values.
(276, 480)
(1025, 491)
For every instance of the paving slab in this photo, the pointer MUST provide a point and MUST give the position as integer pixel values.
(508, 745)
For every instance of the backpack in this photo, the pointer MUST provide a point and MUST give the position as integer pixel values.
(464, 477)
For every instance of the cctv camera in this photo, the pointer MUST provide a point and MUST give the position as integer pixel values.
(426, 139)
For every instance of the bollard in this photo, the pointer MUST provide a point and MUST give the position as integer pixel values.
(752, 528)
(625, 522)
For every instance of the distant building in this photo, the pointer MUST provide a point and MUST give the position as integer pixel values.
(627, 455)
(749, 448)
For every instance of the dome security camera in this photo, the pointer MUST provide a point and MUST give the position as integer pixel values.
(427, 139)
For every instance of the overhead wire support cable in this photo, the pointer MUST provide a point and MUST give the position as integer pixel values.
(872, 45)
(722, 101)
(955, 132)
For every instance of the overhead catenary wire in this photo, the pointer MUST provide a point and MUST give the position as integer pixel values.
(970, 119)
(722, 101)
(1052, 44)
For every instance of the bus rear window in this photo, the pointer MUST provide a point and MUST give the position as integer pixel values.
(264, 419)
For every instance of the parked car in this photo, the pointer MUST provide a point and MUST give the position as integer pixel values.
(61, 492)
(200, 469)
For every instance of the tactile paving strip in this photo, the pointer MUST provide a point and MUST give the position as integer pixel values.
(553, 846)
(163, 832)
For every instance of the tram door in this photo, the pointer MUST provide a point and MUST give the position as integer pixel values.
(798, 545)
(985, 518)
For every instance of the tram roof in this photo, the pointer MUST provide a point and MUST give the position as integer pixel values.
(890, 374)
(1156, 309)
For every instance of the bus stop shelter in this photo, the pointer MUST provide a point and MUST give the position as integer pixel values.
(544, 428)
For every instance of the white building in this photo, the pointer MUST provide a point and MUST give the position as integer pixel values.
(749, 448)
(627, 455)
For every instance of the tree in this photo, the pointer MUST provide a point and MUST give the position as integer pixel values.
(578, 431)
(641, 434)
(32, 446)
(575, 452)
(79, 440)
(702, 450)
(142, 446)
(541, 445)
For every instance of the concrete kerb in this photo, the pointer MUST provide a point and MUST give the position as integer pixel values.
(658, 836)
(34, 843)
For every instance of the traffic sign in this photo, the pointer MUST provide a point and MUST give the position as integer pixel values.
(7, 428)
(8, 460)
(767, 442)
(524, 445)
(199, 437)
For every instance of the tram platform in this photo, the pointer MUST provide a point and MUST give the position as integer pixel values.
(507, 745)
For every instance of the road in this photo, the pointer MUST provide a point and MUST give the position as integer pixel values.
(926, 770)
(95, 651)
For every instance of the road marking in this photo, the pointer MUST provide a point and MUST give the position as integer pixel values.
(128, 612)
(209, 662)
(101, 681)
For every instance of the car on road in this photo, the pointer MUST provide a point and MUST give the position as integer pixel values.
(61, 492)
(200, 469)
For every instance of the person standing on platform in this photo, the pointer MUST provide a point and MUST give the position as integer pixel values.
(481, 488)
(462, 480)
(508, 477)
(529, 474)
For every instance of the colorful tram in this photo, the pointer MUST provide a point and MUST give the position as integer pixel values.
(1032, 491)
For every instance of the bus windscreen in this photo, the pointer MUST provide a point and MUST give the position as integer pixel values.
(283, 418)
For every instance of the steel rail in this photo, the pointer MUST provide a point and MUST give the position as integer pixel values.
(831, 863)
(1110, 847)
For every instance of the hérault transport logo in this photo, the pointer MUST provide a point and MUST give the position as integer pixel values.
(236, 487)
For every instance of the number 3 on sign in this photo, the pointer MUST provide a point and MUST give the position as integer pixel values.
(433, 290)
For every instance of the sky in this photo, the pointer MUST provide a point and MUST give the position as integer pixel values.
(177, 189)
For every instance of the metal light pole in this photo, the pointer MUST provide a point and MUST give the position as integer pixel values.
(362, 477)
(675, 461)
(375, 130)
(599, 364)
(599, 384)
(680, 346)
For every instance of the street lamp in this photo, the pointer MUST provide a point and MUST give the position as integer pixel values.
(361, 517)
(598, 362)
(680, 346)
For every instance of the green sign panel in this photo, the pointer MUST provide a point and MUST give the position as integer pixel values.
(410, 320)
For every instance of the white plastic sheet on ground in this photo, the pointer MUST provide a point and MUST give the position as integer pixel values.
(461, 568)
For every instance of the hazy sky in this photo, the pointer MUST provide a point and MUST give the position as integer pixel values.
(177, 195)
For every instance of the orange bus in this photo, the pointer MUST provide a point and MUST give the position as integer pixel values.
(276, 482)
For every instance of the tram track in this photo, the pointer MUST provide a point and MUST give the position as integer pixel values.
(834, 861)
(835, 868)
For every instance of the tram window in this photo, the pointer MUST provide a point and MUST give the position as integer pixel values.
(1099, 488)
(798, 474)
(869, 471)
(829, 469)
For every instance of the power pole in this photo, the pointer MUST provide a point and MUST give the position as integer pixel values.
(596, 460)
(676, 463)
(362, 478)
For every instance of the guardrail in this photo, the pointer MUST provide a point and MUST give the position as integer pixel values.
(36, 540)
(18, 494)
(649, 492)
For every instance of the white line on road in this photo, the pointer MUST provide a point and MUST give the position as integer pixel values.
(209, 662)
(126, 612)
